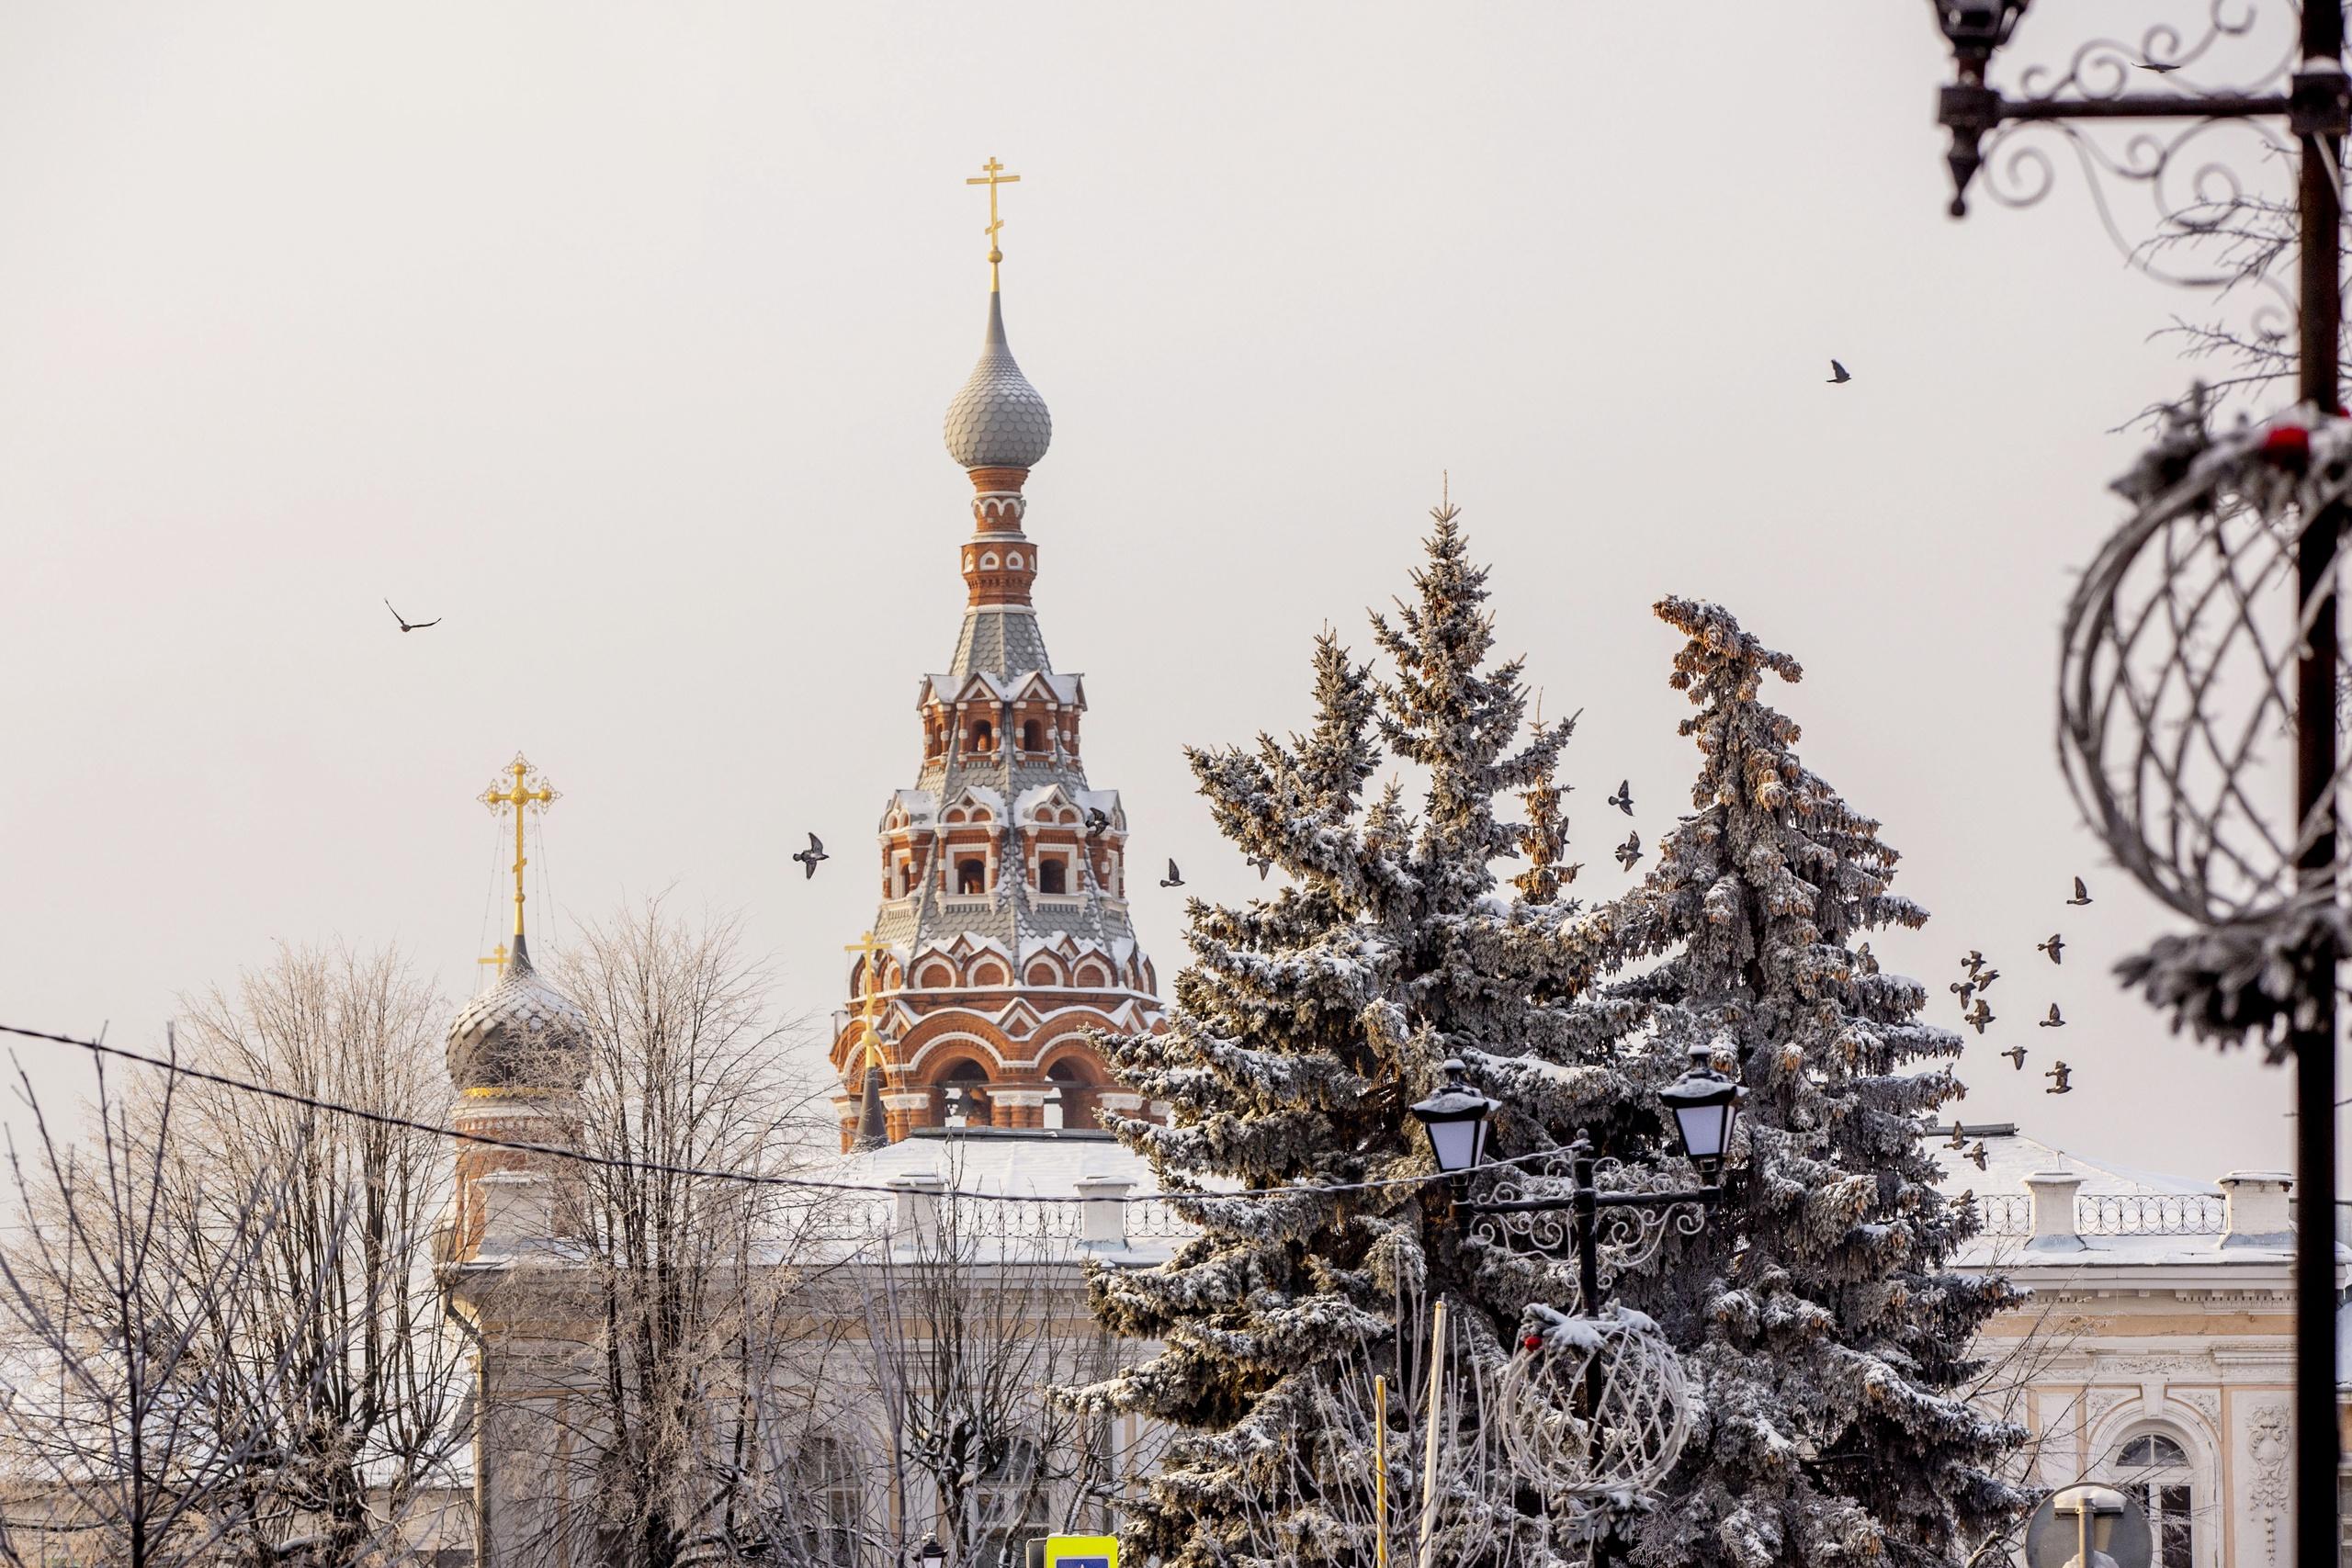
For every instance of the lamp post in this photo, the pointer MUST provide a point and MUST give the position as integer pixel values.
(930, 1555)
(2316, 109)
(1705, 1106)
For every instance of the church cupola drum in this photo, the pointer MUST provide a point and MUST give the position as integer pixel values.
(1003, 934)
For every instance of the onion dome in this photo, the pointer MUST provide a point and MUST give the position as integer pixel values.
(997, 421)
(522, 1034)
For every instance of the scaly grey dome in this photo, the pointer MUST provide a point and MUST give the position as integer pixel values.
(997, 421)
(521, 1034)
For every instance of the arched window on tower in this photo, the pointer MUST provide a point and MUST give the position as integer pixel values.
(983, 736)
(964, 1101)
(1077, 1102)
(1033, 736)
(2154, 1469)
(1053, 874)
(972, 875)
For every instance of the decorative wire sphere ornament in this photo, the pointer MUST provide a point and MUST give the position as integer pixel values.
(2178, 705)
(1593, 1410)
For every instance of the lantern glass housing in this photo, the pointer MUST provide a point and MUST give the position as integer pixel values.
(1455, 1118)
(1706, 1104)
(932, 1553)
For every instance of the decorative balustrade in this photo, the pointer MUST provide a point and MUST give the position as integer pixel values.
(2112, 1214)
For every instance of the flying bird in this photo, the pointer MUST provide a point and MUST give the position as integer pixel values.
(1096, 820)
(2016, 1054)
(1985, 979)
(2062, 1086)
(1865, 960)
(2052, 1021)
(1958, 1141)
(1838, 375)
(1977, 1154)
(1973, 962)
(1965, 990)
(1977, 1016)
(408, 625)
(810, 856)
(1630, 851)
(2082, 893)
(1623, 799)
(1174, 878)
(2055, 947)
(1263, 863)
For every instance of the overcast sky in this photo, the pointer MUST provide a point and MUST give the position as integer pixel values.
(619, 338)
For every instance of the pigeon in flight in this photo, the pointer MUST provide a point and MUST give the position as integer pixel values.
(2052, 1021)
(1958, 1141)
(1985, 979)
(2062, 1086)
(810, 856)
(1865, 960)
(1973, 962)
(1174, 878)
(2016, 1054)
(1977, 1154)
(1839, 374)
(408, 625)
(1623, 799)
(1630, 851)
(1263, 863)
(2055, 947)
(1965, 990)
(1096, 820)
(2082, 893)
(1977, 1016)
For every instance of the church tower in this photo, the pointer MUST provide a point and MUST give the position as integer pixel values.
(1003, 933)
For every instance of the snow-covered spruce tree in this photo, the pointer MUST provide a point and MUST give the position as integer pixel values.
(1304, 1029)
(1816, 1313)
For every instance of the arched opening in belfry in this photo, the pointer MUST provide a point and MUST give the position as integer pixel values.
(983, 737)
(963, 1097)
(1053, 874)
(972, 875)
(1076, 1090)
(1033, 736)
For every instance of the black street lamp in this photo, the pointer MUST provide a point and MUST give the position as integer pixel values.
(930, 1555)
(1705, 1105)
(2316, 109)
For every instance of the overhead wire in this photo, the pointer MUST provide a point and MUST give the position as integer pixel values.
(658, 1167)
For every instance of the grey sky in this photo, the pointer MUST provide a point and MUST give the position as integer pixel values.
(619, 335)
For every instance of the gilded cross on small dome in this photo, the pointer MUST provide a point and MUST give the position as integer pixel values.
(528, 789)
(993, 176)
(872, 989)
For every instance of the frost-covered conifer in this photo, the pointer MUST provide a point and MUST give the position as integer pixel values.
(1306, 1024)
(1817, 1315)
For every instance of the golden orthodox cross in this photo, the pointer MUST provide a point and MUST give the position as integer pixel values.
(518, 796)
(498, 956)
(993, 176)
(871, 990)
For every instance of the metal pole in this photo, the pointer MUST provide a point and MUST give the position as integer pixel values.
(1380, 1470)
(2315, 757)
(1437, 1414)
(1587, 1244)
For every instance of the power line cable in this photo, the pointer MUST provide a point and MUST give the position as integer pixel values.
(746, 1177)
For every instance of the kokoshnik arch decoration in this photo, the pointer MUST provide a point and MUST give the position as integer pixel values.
(1003, 934)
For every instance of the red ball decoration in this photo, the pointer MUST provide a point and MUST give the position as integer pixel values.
(2287, 443)
(1533, 1341)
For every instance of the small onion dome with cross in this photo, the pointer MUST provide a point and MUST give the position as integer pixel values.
(521, 1034)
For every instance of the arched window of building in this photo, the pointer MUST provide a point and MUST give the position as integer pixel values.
(2154, 1469)
(963, 1102)
(1078, 1103)
(972, 875)
(983, 736)
(1053, 874)
(1033, 736)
